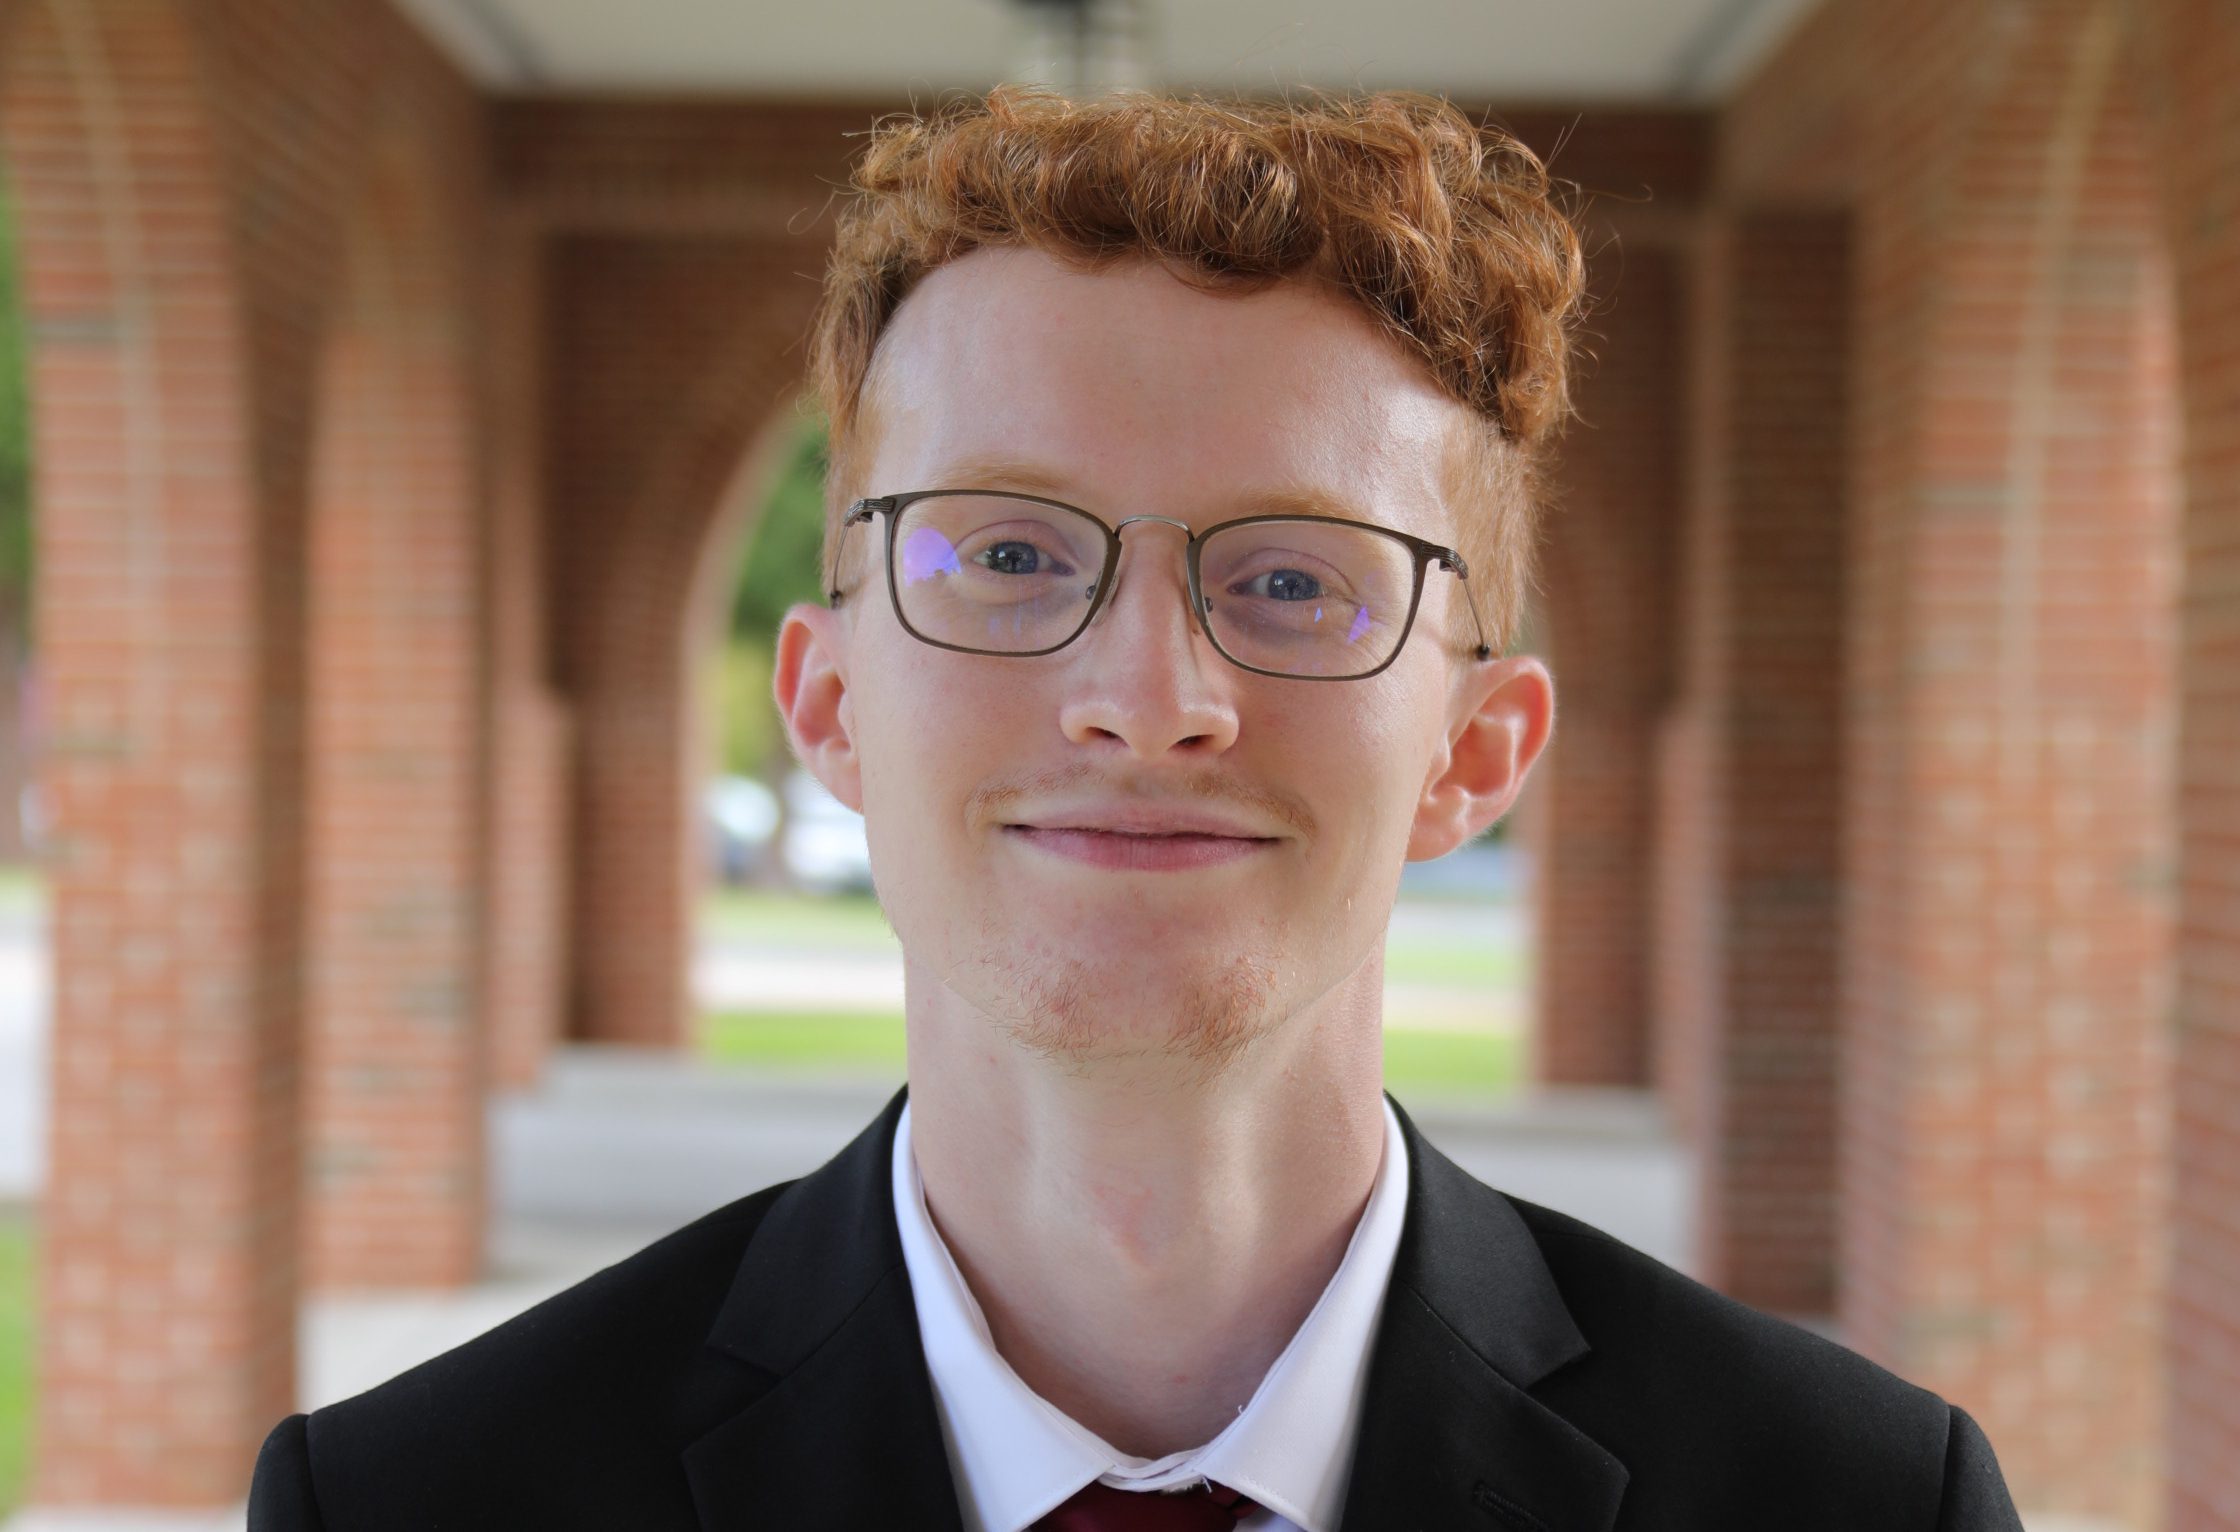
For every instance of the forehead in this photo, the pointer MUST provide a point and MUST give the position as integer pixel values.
(1127, 383)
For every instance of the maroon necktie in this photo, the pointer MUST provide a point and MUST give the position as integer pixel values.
(1099, 1507)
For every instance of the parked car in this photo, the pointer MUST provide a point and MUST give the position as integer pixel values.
(823, 842)
(742, 816)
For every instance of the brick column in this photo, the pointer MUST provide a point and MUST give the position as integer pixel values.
(1748, 951)
(396, 1058)
(169, 613)
(530, 746)
(2009, 836)
(672, 354)
(2195, 53)
(1608, 576)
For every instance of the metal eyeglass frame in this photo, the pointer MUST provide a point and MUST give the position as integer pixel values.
(1424, 551)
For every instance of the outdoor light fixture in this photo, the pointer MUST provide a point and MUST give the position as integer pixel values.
(1082, 47)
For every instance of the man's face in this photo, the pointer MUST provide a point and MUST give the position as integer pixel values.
(1129, 393)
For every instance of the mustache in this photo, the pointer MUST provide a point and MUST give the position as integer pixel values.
(995, 801)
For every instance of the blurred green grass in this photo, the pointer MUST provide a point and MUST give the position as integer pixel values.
(855, 923)
(873, 1042)
(850, 922)
(16, 1248)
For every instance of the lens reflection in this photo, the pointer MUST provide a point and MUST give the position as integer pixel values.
(1293, 596)
(1307, 598)
(1006, 576)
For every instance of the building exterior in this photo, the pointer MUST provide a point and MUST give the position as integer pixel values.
(386, 421)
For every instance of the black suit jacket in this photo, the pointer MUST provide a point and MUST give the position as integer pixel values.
(761, 1368)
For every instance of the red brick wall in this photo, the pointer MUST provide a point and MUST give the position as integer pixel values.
(1750, 867)
(168, 608)
(398, 676)
(2011, 834)
(184, 171)
(669, 354)
(531, 746)
(2011, 871)
(2193, 57)
(2008, 811)
(679, 249)
(1609, 549)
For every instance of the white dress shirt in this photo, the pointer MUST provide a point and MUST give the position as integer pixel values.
(1015, 1456)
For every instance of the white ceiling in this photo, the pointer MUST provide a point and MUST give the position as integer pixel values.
(1516, 51)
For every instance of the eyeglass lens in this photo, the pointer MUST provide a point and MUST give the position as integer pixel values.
(1006, 576)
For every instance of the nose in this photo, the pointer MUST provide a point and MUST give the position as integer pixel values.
(1150, 679)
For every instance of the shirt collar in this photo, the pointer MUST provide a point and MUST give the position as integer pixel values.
(1016, 1456)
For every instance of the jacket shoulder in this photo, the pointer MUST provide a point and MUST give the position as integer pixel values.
(604, 1382)
(1735, 1411)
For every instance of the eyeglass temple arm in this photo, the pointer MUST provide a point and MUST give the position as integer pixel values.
(1449, 559)
(862, 510)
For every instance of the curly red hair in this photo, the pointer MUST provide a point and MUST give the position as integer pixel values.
(1448, 233)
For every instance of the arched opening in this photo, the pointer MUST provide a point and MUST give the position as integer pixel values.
(23, 948)
(18, 710)
(796, 973)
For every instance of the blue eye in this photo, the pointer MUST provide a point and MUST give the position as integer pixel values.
(1014, 557)
(1283, 585)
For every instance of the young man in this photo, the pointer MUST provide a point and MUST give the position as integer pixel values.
(1181, 515)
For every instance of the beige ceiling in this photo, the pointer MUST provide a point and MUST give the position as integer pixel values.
(1647, 51)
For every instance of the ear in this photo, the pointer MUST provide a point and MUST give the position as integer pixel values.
(1501, 719)
(810, 684)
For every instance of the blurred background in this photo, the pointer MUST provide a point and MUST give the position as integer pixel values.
(408, 904)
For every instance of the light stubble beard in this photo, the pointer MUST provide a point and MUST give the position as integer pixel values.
(1061, 1009)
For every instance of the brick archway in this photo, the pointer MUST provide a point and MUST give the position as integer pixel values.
(169, 606)
(2005, 1042)
(688, 348)
(2001, 1080)
(1999, 1030)
(2191, 53)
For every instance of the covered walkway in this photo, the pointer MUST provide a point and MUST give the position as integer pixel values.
(395, 376)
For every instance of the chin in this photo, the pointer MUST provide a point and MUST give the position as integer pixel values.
(1137, 1006)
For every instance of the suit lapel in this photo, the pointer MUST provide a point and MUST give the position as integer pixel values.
(1450, 1435)
(848, 1435)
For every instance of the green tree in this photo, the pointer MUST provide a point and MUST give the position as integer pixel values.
(781, 559)
(15, 445)
(778, 569)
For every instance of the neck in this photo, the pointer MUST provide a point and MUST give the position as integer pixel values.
(1144, 1240)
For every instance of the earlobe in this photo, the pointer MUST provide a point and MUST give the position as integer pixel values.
(810, 685)
(1487, 757)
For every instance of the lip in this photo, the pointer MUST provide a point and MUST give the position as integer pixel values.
(1138, 851)
(1140, 819)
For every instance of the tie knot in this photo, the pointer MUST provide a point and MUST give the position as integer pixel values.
(1100, 1507)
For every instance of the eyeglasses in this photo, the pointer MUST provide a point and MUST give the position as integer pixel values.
(1311, 598)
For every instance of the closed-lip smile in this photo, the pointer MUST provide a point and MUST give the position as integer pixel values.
(1141, 838)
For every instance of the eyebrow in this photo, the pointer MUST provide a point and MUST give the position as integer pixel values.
(1031, 478)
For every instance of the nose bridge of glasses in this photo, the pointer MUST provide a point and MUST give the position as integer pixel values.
(1118, 527)
(1168, 520)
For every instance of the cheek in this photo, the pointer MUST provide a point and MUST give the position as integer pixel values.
(1377, 755)
(928, 737)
